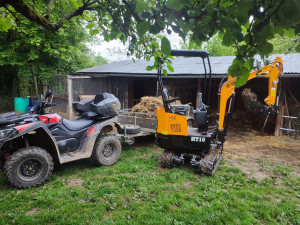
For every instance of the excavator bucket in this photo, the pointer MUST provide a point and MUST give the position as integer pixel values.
(250, 101)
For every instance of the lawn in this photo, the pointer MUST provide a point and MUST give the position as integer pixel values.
(137, 191)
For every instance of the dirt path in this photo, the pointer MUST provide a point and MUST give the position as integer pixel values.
(248, 149)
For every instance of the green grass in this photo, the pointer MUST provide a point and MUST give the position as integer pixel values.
(137, 191)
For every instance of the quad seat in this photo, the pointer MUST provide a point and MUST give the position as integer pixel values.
(78, 124)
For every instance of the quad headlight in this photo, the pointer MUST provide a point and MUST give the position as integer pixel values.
(4, 134)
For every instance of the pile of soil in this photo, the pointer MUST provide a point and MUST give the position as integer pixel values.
(149, 104)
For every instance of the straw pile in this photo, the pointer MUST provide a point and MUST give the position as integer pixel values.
(149, 104)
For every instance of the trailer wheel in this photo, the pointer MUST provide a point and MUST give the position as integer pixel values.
(107, 150)
(131, 129)
(28, 167)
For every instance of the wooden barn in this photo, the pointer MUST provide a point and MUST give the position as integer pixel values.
(130, 81)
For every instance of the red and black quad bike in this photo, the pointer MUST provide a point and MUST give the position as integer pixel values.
(32, 142)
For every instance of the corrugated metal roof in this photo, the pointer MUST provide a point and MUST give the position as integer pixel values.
(184, 67)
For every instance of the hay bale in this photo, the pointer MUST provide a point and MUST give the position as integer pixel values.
(149, 104)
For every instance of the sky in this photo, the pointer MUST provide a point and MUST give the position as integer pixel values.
(115, 51)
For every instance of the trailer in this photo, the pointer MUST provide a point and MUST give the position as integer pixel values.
(135, 124)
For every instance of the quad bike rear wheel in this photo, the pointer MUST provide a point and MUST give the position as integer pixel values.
(28, 167)
(107, 150)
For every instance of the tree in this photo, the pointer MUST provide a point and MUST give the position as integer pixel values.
(31, 55)
(214, 47)
(245, 24)
(99, 60)
(285, 44)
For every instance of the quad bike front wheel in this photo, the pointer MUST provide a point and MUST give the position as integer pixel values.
(28, 167)
(107, 150)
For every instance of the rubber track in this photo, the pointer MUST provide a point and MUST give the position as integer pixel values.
(210, 163)
(31, 150)
(166, 159)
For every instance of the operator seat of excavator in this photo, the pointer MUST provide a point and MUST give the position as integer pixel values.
(177, 109)
(200, 115)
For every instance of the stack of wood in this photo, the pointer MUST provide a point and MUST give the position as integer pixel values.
(149, 104)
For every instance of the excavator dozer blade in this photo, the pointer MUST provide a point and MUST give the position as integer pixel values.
(211, 161)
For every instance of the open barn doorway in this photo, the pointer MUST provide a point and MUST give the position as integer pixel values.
(138, 90)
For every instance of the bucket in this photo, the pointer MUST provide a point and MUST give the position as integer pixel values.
(21, 105)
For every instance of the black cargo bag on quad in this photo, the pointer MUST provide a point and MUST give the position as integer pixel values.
(103, 105)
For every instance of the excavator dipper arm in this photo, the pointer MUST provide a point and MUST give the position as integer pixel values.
(272, 71)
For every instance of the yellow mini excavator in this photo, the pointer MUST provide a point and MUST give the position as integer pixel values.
(202, 147)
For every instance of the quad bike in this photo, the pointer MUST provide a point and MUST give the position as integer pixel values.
(202, 147)
(32, 142)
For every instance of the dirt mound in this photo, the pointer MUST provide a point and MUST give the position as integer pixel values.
(149, 104)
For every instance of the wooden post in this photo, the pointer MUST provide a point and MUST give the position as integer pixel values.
(198, 90)
(297, 125)
(36, 86)
(45, 88)
(279, 119)
(70, 98)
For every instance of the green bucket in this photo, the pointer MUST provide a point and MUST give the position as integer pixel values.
(21, 105)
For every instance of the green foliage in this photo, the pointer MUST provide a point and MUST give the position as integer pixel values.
(33, 51)
(165, 46)
(285, 44)
(141, 6)
(175, 4)
(6, 22)
(213, 46)
(142, 28)
(249, 26)
(99, 60)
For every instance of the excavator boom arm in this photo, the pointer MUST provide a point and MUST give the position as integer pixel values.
(272, 71)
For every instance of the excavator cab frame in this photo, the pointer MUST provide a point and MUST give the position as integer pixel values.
(204, 55)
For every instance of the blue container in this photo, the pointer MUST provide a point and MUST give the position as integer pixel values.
(33, 102)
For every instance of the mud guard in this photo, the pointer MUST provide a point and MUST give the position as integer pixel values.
(32, 127)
